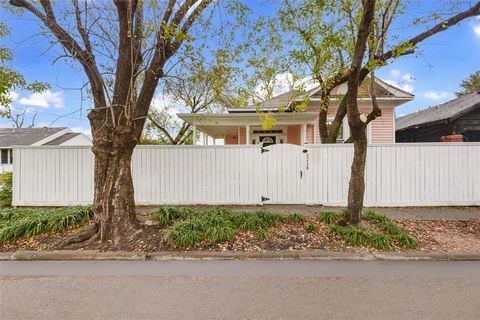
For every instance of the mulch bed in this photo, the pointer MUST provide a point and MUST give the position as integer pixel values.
(432, 235)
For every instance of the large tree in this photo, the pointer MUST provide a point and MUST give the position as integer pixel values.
(470, 84)
(345, 41)
(122, 47)
(195, 86)
(11, 80)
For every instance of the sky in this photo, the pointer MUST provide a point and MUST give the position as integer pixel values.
(432, 74)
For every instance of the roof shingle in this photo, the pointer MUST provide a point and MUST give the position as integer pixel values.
(25, 136)
(448, 110)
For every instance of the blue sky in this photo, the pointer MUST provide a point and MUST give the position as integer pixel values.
(433, 74)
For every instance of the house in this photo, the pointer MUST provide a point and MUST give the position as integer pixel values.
(459, 116)
(244, 125)
(10, 137)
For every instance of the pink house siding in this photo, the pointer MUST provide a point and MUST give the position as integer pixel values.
(310, 133)
(382, 127)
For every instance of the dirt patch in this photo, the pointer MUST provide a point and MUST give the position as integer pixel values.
(445, 235)
(438, 235)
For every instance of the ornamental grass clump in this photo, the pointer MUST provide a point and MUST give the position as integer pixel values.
(295, 218)
(327, 217)
(392, 229)
(17, 223)
(358, 237)
(218, 225)
(166, 215)
(185, 233)
(310, 228)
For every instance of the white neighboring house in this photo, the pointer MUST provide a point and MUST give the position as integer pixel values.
(61, 136)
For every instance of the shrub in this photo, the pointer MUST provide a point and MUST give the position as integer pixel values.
(6, 180)
(388, 226)
(16, 223)
(327, 217)
(310, 228)
(295, 217)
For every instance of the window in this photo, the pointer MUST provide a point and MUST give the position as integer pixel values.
(5, 156)
(267, 131)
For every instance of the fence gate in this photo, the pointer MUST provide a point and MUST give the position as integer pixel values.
(283, 168)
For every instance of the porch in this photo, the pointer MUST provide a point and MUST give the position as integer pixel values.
(297, 128)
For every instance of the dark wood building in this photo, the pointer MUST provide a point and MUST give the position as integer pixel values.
(459, 116)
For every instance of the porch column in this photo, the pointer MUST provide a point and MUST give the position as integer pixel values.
(247, 134)
(303, 134)
(238, 135)
(194, 132)
(315, 132)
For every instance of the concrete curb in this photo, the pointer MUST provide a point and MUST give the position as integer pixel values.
(79, 255)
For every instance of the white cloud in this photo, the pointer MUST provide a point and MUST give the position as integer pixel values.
(476, 27)
(395, 73)
(44, 100)
(284, 82)
(402, 80)
(167, 104)
(13, 95)
(405, 86)
(407, 77)
(437, 95)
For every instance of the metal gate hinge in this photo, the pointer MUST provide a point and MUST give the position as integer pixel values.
(265, 199)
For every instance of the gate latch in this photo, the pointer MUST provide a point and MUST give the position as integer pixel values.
(265, 199)
(263, 149)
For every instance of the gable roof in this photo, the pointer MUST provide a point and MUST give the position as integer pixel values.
(25, 136)
(449, 110)
(63, 138)
(383, 90)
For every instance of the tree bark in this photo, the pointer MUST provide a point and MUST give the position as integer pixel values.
(114, 203)
(356, 188)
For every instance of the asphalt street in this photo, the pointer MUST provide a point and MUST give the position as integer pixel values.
(240, 290)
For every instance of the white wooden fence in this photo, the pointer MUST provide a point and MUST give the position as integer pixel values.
(397, 175)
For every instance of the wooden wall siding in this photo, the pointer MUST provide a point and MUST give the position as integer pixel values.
(429, 174)
(382, 127)
(310, 134)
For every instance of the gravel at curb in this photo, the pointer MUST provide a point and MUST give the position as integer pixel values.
(24, 255)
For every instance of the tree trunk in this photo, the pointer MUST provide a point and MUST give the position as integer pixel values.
(356, 187)
(114, 202)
